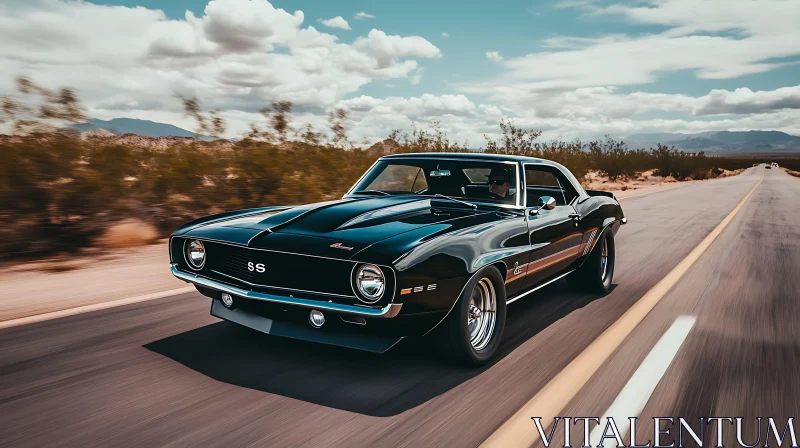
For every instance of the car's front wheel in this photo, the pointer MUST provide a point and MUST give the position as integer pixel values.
(475, 327)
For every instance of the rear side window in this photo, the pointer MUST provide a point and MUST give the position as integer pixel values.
(546, 181)
(538, 178)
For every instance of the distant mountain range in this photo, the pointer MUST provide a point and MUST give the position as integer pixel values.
(135, 126)
(720, 142)
(711, 142)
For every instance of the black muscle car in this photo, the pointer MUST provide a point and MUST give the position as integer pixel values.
(421, 243)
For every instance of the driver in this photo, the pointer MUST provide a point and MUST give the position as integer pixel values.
(499, 184)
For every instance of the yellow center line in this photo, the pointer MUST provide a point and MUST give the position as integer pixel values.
(520, 430)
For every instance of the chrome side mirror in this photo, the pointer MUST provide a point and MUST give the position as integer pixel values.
(546, 203)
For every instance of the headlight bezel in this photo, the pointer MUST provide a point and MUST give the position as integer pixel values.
(373, 272)
(186, 257)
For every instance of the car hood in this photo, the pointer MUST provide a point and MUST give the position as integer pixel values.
(337, 229)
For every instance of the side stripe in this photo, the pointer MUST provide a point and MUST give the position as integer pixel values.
(541, 263)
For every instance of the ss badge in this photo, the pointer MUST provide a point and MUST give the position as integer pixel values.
(256, 267)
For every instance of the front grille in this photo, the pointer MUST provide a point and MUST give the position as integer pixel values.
(281, 270)
(284, 273)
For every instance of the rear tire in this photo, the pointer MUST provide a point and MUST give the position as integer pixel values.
(474, 329)
(597, 272)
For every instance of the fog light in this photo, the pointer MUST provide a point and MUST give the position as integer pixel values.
(227, 300)
(316, 318)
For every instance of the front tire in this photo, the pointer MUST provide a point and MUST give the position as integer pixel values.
(474, 329)
(597, 272)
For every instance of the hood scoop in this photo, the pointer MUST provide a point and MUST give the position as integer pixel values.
(388, 213)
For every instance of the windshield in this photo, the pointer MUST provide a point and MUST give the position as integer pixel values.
(474, 181)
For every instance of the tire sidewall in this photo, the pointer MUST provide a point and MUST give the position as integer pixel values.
(606, 282)
(461, 327)
(596, 280)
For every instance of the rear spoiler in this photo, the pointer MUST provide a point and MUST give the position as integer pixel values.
(600, 193)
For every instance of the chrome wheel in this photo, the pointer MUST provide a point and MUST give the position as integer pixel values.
(604, 259)
(482, 314)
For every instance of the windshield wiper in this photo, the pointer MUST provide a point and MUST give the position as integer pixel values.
(471, 205)
(373, 192)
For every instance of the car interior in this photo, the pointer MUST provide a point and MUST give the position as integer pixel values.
(469, 181)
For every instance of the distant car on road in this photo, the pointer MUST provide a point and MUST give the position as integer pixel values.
(421, 243)
(768, 166)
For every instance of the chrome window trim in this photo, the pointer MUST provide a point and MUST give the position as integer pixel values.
(362, 177)
(387, 312)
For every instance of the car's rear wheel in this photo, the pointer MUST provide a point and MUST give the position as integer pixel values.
(475, 327)
(597, 272)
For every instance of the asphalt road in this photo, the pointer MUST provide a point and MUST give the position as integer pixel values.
(164, 372)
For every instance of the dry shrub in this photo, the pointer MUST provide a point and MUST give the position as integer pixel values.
(128, 233)
(59, 194)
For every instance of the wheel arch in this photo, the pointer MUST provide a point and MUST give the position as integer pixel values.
(500, 265)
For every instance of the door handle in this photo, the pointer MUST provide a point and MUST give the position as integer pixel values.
(575, 216)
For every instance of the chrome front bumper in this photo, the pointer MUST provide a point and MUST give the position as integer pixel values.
(387, 312)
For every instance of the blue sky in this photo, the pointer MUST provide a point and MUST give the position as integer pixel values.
(513, 27)
(572, 68)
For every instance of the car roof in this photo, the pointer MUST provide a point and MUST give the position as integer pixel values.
(472, 156)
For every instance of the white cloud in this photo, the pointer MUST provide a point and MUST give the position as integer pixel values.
(238, 56)
(574, 82)
(415, 108)
(445, 35)
(363, 15)
(494, 56)
(227, 26)
(385, 49)
(336, 22)
(745, 101)
(716, 39)
(417, 76)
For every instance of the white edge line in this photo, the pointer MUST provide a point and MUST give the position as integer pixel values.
(93, 307)
(634, 396)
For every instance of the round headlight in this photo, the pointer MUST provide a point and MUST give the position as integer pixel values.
(371, 283)
(195, 254)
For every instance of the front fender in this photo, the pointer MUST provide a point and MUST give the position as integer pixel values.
(434, 265)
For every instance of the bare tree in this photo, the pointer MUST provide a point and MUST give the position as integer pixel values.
(257, 133)
(309, 136)
(280, 119)
(55, 109)
(340, 124)
(212, 125)
(514, 141)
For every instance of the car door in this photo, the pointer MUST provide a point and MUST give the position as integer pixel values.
(555, 235)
